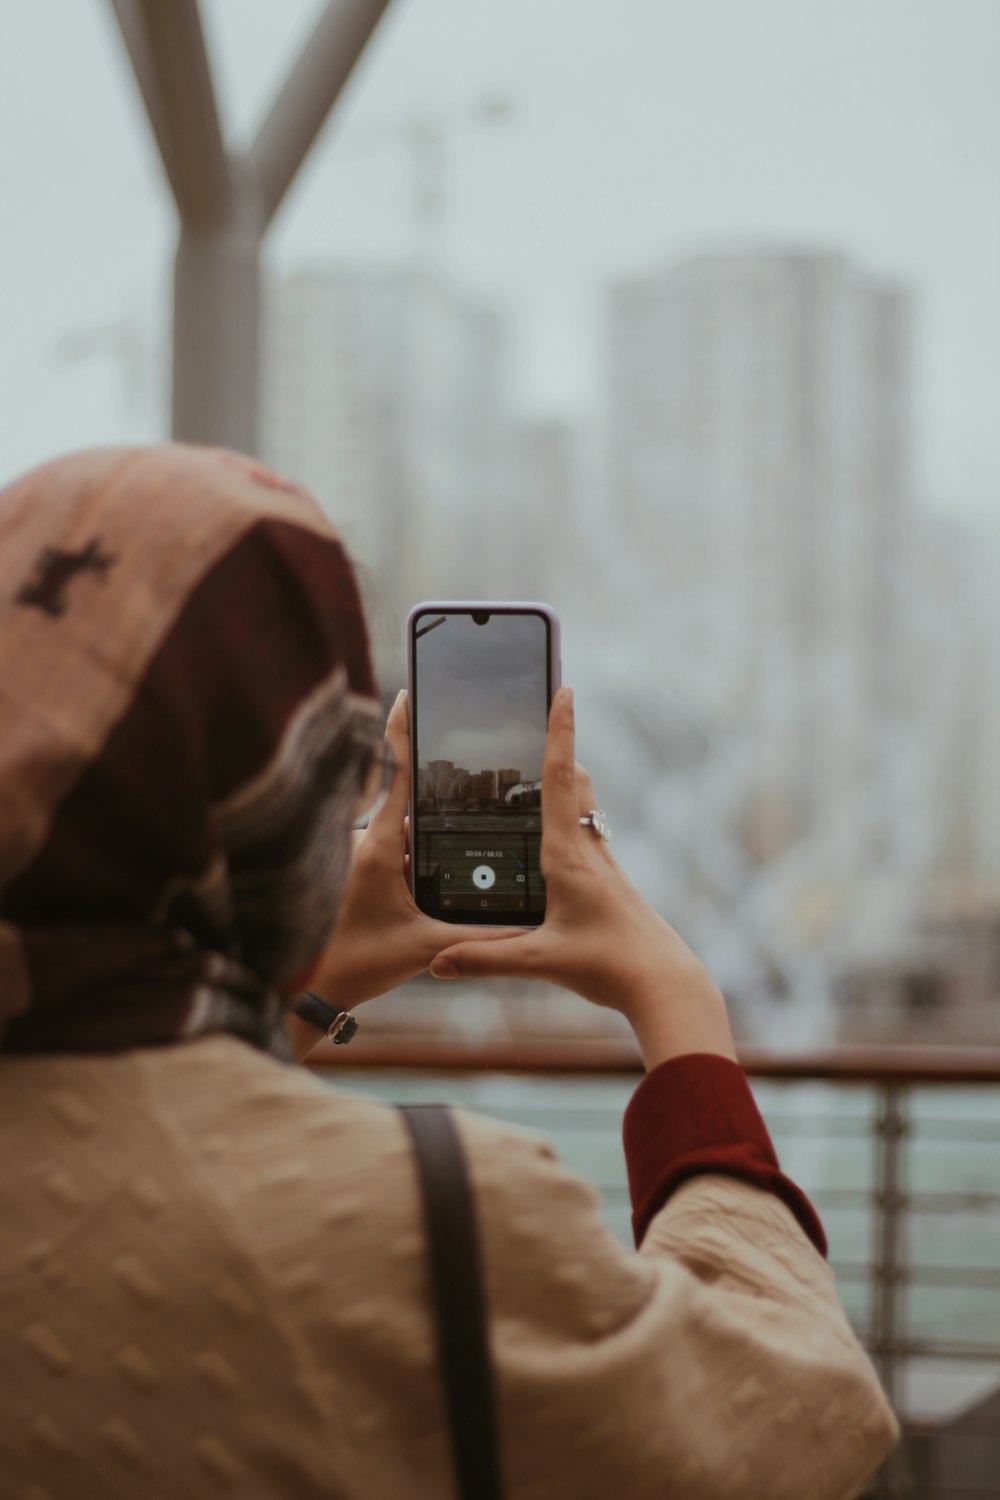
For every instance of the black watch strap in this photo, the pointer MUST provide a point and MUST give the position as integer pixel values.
(339, 1025)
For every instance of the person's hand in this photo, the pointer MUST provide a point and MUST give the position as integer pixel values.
(599, 937)
(381, 937)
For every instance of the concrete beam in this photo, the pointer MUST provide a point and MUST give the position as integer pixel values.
(308, 95)
(176, 74)
(132, 24)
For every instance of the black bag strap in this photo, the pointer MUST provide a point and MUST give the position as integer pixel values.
(459, 1301)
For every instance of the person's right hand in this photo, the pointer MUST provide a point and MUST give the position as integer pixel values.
(599, 937)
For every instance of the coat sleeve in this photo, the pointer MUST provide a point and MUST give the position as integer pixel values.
(717, 1362)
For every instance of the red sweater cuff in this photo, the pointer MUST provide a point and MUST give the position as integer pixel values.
(695, 1113)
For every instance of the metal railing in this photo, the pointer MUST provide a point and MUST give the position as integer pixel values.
(894, 1130)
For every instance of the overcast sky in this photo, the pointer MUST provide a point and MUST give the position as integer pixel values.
(481, 694)
(643, 129)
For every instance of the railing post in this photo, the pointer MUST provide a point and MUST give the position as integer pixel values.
(891, 1127)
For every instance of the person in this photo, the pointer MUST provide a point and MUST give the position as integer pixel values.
(213, 1265)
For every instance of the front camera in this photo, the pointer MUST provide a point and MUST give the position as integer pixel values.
(480, 616)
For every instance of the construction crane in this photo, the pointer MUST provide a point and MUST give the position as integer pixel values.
(427, 136)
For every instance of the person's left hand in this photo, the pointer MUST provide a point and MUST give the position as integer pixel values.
(382, 937)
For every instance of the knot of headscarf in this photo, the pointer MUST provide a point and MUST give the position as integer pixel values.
(186, 706)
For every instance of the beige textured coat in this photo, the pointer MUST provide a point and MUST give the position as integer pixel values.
(213, 1283)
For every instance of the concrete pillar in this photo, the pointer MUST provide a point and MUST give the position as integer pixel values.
(225, 202)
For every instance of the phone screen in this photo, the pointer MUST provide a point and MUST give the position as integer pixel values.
(480, 697)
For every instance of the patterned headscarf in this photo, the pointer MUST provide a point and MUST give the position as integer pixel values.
(186, 713)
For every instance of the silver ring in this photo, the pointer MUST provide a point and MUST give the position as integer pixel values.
(596, 820)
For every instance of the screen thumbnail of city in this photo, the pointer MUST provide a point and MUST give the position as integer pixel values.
(480, 708)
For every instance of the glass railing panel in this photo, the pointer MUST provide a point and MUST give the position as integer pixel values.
(959, 1236)
(953, 1318)
(932, 1324)
(823, 1143)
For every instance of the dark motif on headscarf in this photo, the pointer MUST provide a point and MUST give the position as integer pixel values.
(53, 571)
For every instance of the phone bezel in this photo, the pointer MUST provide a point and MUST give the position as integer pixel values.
(553, 672)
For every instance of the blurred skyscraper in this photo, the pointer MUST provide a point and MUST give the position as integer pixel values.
(758, 410)
(384, 393)
(955, 670)
(545, 546)
(785, 666)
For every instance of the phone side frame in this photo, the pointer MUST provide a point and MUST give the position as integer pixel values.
(466, 606)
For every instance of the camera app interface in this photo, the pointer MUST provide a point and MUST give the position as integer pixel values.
(481, 709)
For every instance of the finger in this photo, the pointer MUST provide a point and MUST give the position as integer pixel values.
(400, 712)
(588, 803)
(479, 960)
(559, 792)
(445, 935)
(586, 800)
(388, 821)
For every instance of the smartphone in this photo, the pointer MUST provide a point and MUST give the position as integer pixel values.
(481, 679)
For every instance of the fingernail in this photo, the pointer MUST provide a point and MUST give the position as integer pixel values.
(399, 695)
(443, 968)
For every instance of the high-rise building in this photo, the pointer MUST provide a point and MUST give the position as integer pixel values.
(440, 776)
(482, 787)
(506, 778)
(954, 668)
(384, 393)
(541, 548)
(759, 459)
